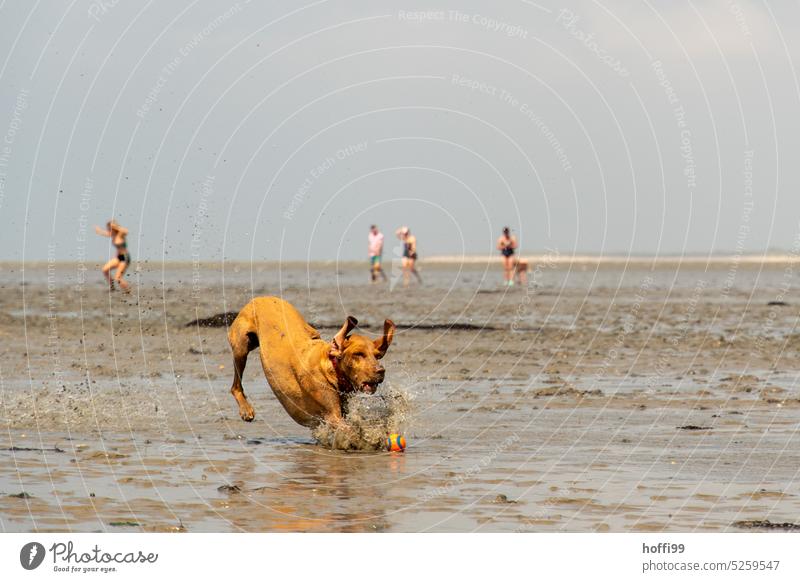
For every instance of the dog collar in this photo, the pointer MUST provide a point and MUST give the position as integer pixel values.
(342, 383)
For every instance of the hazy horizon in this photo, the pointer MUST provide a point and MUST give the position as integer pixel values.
(774, 256)
(239, 131)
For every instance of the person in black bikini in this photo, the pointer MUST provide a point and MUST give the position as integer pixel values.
(507, 245)
(122, 261)
(409, 255)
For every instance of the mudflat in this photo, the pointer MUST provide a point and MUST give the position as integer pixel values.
(597, 398)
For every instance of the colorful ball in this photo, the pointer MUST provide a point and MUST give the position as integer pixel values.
(395, 442)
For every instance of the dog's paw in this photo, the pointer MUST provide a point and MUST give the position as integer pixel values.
(247, 413)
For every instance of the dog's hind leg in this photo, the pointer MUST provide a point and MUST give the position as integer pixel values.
(243, 340)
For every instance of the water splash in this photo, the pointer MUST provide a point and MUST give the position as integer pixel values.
(371, 418)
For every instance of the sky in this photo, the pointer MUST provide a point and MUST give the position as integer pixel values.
(281, 130)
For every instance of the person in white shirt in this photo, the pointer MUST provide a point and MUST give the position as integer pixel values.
(375, 240)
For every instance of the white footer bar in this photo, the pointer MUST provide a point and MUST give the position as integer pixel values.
(352, 557)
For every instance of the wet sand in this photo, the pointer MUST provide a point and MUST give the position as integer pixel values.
(605, 398)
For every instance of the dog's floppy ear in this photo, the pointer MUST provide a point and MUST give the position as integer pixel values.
(337, 344)
(383, 343)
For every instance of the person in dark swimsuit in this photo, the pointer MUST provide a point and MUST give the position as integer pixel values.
(507, 245)
(409, 255)
(122, 261)
(123, 256)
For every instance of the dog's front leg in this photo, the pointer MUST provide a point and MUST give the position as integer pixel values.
(246, 411)
(344, 435)
(241, 344)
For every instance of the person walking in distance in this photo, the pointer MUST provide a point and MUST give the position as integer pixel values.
(507, 245)
(118, 235)
(375, 246)
(409, 255)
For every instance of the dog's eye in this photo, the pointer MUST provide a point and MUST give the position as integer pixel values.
(360, 355)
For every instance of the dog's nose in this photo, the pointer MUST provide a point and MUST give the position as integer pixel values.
(380, 372)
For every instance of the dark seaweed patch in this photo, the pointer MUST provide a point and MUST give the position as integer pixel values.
(765, 524)
(226, 319)
(21, 449)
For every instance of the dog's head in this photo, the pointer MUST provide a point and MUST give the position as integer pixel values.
(356, 356)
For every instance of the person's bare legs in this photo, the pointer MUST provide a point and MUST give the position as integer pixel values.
(413, 268)
(376, 270)
(123, 284)
(107, 268)
(406, 274)
(508, 268)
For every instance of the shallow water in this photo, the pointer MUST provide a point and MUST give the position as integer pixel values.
(583, 464)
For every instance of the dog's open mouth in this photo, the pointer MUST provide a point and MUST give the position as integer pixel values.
(370, 387)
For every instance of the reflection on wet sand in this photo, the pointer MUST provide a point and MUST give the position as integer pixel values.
(315, 490)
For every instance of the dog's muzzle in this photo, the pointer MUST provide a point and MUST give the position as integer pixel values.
(372, 385)
(369, 387)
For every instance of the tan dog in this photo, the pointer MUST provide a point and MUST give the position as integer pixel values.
(309, 376)
(521, 270)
